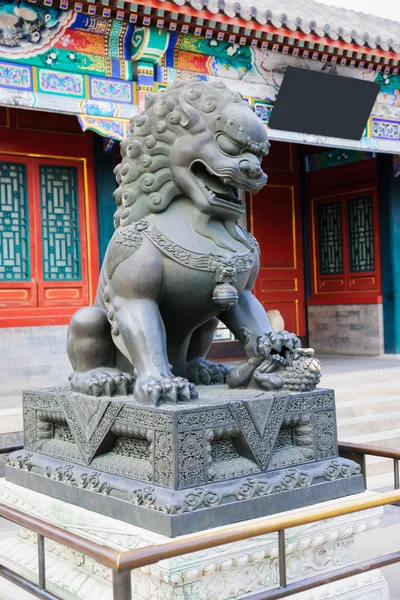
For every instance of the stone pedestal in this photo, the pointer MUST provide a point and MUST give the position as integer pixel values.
(229, 456)
(224, 573)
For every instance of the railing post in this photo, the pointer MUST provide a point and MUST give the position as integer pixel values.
(282, 558)
(41, 562)
(396, 474)
(122, 587)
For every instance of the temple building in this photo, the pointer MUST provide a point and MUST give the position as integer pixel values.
(72, 74)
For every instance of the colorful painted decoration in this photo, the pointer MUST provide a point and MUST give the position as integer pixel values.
(15, 76)
(385, 129)
(28, 29)
(333, 158)
(116, 129)
(78, 63)
(149, 44)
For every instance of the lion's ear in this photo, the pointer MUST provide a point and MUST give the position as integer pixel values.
(190, 117)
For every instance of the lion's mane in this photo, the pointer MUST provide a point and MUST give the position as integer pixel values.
(144, 175)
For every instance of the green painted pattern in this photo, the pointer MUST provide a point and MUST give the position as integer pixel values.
(60, 59)
(60, 223)
(14, 223)
(149, 44)
(333, 158)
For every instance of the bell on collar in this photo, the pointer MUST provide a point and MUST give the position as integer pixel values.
(225, 295)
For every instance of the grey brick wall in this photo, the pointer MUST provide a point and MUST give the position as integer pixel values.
(31, 357)
(346, 329)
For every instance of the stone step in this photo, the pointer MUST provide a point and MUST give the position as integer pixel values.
(364, 390)
(369, 406)
(383, 439)
(350, 427)
(378, 465)
(381, 482)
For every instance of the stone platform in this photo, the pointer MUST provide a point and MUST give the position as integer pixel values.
(229, 456)
(227, 572)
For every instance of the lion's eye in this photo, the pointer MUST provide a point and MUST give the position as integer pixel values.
(227, 146)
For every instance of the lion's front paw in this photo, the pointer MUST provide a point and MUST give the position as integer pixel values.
(275, 342)
(204, 372)
(172, 389)
(102, 382)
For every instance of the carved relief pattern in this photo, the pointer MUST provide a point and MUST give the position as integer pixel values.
(284, 439)
(191, 459)
(133, 448)
(39, 401)
(134, 468)
(304, 402)
(261, 445)
(223, 266)
(61, 449)
(287, 457)
(196, 498)
(51, 416)
(325, 436)
(337, 469)
(147, 418)
(62, 432)
(218, 416)
(29, 428)
(223, 450)
(128, 236)
(163, 459)
(86, 434)
(92, 481)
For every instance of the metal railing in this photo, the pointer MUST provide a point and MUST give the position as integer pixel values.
(359, 452)
(122, 563)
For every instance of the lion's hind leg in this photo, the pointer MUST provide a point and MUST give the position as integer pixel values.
(198, 368)
(93, 356)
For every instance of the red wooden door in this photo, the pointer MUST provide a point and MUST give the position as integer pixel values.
(276, 222)
(344, 226)
(43, 241)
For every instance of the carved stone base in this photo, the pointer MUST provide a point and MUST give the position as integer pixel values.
(179, 468)
(227, 572)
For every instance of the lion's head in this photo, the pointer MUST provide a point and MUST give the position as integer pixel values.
(196, 140)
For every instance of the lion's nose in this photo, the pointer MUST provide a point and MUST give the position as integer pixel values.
(250, 170)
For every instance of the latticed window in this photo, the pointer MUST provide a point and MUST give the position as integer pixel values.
(361, 234)
(14, 222)
(330, 239)
(60, 222)
(345, 245)
(43, 251)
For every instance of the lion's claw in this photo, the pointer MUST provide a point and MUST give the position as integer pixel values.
(205, 372)
(276, 342)
(172, 389)
(102, 382)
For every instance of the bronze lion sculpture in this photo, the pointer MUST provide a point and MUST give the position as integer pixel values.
(178, 260)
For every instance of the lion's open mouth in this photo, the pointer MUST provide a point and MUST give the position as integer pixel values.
(217, 189)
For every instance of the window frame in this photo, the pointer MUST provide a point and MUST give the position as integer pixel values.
(348, 287)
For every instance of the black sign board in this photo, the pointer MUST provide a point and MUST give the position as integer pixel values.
(323, 104)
